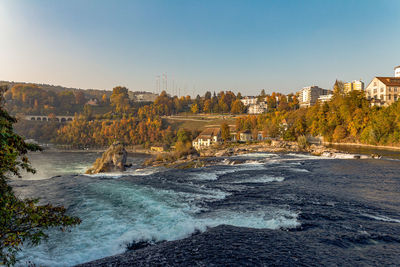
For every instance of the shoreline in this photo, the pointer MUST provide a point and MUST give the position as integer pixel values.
(257, 144)
(389, 148)
(132, 151)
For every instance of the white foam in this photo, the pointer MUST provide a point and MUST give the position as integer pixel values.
(114, 175)
(259, 155)
(343, 156)
(303, 156)
(263, 179)
(116, 213)
(381, 218)
(144, 171)
(298, 170)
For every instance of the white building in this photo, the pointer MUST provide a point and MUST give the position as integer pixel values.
(257, 108)
(397, 72)
(249, 100)
(325, 98)
(309, 95)
(207, 138)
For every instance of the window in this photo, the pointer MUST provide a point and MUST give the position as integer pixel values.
(390, 89)
(375, 83)
(390, 97)
(395, 97)
(395, 89)
(381, 97)
(375, 91)
(381, 89)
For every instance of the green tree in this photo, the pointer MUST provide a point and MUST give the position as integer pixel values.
(21, 220)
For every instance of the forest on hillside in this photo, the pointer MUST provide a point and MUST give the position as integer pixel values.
(346, 118)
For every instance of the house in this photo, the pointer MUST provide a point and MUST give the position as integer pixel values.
(384, 89)
(308, 96)
(246, 136)
(257, 108)
(249, 100)
(93, 101)
(207, 137)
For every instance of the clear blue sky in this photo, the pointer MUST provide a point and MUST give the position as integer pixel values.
(207, 45)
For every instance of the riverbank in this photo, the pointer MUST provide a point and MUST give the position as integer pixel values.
(394, 148)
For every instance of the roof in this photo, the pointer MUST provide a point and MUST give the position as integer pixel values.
(390, 81)
(397, 67)
(246, 132)
(208, 133)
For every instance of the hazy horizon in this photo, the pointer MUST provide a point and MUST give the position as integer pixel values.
(201, 45)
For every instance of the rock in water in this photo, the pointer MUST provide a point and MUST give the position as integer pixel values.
(113, 159)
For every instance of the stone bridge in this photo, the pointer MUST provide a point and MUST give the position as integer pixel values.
(46, 118)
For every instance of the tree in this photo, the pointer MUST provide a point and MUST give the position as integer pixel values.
(104, 99)
(183, 136)
(237, 107)
(120, 99)
(340, 133)
(225, 132)
(80, 98)
(194, 108)
(207, 106)
(21, 220)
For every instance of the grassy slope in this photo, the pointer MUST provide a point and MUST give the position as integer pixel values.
(198, 122)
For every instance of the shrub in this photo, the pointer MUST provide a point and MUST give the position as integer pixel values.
(302, 141)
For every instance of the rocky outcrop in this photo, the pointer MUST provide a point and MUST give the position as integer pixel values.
(113, 159)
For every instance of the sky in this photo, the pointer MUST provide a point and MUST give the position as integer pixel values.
(238, 45)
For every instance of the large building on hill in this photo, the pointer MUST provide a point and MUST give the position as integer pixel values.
(383, 91)
(353, 86)
(309, 95)
(207, 137)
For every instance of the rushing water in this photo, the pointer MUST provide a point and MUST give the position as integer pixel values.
(326, 204)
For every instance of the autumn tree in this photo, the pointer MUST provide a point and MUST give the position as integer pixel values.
(120, 99)
(225, 132)
(195, 109)
(237, 107)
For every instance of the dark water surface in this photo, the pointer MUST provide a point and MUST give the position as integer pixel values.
(274, 209)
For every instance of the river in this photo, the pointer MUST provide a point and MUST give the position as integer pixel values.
(271, 209)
